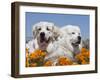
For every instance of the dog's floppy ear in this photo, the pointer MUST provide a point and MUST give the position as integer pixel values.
(34, 30)
(56, 32)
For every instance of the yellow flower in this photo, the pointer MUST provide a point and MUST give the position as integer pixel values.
(83, 57)
(36, 57)
(26, 50)
(48, 63)
(87, 54)
(37, 54)
(33, 65)
(27, 57)
(83, 50)
(64, 61)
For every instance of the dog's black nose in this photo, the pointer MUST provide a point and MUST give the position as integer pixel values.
(79, 37)
(42, 34)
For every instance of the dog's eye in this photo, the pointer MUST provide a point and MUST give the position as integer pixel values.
(73, 33)
(39, 29)
(48, 29)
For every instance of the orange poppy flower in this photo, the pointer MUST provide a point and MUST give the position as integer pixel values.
(83, 50)
(33, 65)
(48, 63)
(64, 61)
(83, 57)
(37, 54)
(36, 57)
(27, 62)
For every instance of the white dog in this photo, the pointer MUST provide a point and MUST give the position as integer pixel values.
(44, 33)
(74, 38)
(68, 45)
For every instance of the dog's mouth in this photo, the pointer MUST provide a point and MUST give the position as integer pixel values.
(43, 39)
(76, 43)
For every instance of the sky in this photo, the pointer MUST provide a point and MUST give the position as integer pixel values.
(59, 19)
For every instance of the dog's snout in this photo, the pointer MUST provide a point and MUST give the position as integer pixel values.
(79, 37)
(42, 34)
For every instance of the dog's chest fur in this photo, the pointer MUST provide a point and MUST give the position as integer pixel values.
(76, 50)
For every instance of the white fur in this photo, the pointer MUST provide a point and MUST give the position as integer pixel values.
(50, 33)
(64, 47)
(72, 38)
(60, 40)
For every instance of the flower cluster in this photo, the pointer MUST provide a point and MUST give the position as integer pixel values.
(48, 63)
(36, 58)
(83, 57)
(27, 54)
(64, 61)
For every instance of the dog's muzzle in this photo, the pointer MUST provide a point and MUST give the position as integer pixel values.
(78, 41)
(43, 38)
(42, 34)
(79, 38)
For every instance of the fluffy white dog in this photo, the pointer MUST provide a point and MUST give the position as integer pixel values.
(68, 45)
(74, 38)
(44, 33)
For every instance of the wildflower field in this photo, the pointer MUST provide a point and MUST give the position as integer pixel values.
(36, 58)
